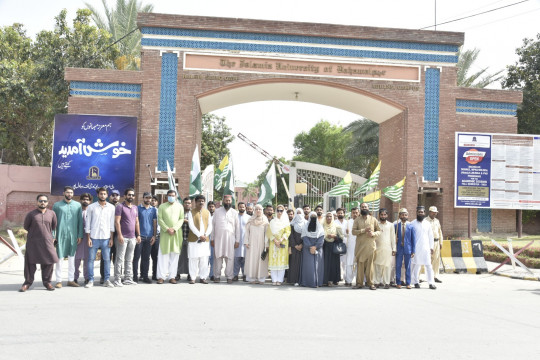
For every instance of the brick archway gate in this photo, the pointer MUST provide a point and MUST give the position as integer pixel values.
(403, 79)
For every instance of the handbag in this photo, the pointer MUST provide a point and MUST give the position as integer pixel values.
(263, 255)
(340, 248)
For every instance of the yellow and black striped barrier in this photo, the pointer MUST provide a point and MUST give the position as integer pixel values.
(463, 256)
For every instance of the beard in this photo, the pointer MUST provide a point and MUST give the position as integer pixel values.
(68, 197)
(420, 217)
(129, 200)
(250, 213)
(340, 217)
(241, 211)
(364, 212)
(227, 206)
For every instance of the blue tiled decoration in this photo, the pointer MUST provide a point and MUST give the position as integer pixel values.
(102, 89)
(306, 50)
(431, 125)
(230, 35)
(167, 110)
(475, 107)
(483, 220)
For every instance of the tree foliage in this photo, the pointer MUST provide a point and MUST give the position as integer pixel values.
(478, 79)
(216, 136)
(363, 149)
(120, 21)
(32, 85)
(524, 75)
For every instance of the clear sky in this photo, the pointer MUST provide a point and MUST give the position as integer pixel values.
(497, 34)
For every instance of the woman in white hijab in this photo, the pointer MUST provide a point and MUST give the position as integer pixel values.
(312, 272)
(277, 240)
(254, 241)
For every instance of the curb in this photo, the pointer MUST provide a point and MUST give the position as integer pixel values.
(530, 278)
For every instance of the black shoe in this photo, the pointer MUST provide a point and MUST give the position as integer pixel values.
(437, 280)
(177, 277)
(101, 281)
(211, 278)
(417, 286)
(86, 281)
(154, 277)
(235, 278)
(244, 278)
(432, 287)
(147, 281)
(189, 278)
(135, 278)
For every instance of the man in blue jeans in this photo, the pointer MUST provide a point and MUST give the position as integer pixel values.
(99, 229)
(148, 226)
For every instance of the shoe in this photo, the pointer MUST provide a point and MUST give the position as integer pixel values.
(229, 281)
(408, 286)
(244, 278)
(216, 280)
(58, 285)
(159, 281)
(191, 282)
(172, 281)
(421, 280)
(49, 287)
(274, 283)
(129, 282)
(372, 287)
(417, 286)
(203, 281)
(212, 278)
(72, 284)
(387, 286)
(432, 287)
(437, 280)
(358, 287)
(235, 278)
(25, 287)
(398, 286)
(189, 278)
(278, 284)
(154, 277)
(117, 283)
(347, 284)
(101, 281)
(86, 281)
(147, 281)
(135, 278)
(89, 284)
(177, 277)
(109, 284)
(296, 284)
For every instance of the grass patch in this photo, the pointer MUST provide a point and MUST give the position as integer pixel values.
(18, 232)
(530, 257)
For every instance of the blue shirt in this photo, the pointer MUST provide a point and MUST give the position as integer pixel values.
(146, 220)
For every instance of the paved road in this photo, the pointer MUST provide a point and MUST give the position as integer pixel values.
(467, 317)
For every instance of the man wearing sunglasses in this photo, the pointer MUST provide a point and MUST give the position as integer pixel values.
(114, 199)
(40, 224)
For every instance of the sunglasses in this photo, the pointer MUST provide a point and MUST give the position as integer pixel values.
(43, 201)
(280, 211)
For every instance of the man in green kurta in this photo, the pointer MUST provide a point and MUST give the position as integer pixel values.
(170, 220)
(68, 234)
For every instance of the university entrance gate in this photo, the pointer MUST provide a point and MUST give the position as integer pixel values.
(405, 80)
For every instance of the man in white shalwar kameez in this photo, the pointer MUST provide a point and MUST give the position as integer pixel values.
(226, 238)
(343, 224)
(200, 228)
(424, 248)
(385, 251)
(350, 241)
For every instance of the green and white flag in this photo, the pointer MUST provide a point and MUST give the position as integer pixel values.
(221, 172)
(172, 182)
(343, 187)
(371, 183)
(394, 192)
(268, 186)
(373, 200)
(195, 184)
(229, 182)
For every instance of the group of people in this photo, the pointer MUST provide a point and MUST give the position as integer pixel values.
(300, 246)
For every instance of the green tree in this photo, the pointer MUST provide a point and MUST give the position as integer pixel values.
(363, 149)
(524, 75)
(32, 85)
(121, 21)
(479, 79)
(216, 136)
(250, 190)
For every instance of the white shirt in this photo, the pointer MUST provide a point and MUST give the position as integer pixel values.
(99, 220)
(199, 232)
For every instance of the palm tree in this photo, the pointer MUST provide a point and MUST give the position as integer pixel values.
(250, 190)
(479, 79)
(363, 151)
(121, 22)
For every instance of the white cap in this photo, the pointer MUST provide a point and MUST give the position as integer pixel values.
(433, 208)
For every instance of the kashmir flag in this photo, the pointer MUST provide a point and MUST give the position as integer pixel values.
(195, 183)
(394, 192)
(343, 187)
(229, 181)
(172, 182)
(371, 183)
(221, 172)
(373, 200)
(268, 186)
